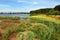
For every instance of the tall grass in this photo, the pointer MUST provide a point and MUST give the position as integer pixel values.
(45, 28)
(52, 24)
(30, 35)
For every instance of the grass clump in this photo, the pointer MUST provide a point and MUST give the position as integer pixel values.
(30, 35)
(42, 32)
(20, 28)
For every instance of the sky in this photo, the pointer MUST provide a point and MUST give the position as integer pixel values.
(26, 5)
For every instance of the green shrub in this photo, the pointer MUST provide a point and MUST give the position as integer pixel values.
(53, 12)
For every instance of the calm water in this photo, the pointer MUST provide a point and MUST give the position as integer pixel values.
(13, 15)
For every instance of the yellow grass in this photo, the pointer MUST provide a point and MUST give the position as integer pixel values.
(45, 17)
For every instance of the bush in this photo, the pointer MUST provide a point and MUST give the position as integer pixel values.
(53, 12)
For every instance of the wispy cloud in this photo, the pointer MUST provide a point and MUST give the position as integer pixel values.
(3, 5)
(35, 3)
(26, 5)
(20, 1)
(27, 2)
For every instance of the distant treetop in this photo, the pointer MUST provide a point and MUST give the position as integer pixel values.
(57, 8)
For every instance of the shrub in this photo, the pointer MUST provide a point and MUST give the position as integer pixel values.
(53, 12)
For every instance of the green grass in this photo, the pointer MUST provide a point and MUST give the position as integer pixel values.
(45, 18)
(8, 17)
(30, 35)
(44, 28)
(52, 24)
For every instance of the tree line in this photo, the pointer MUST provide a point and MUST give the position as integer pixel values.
(48, 11)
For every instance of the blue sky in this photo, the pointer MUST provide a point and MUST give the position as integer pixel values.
(26, 5)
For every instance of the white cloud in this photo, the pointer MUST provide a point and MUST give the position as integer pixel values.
(28, 2)
(34, 3)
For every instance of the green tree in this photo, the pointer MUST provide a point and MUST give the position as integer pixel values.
(53, 12)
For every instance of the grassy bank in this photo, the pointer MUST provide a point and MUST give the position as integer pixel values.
(52, 24)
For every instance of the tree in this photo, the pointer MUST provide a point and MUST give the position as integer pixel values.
(57, 8)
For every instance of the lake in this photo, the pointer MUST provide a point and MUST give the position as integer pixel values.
(13, 15)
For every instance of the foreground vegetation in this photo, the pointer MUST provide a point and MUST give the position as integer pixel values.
(39, 27)
(53, 25)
